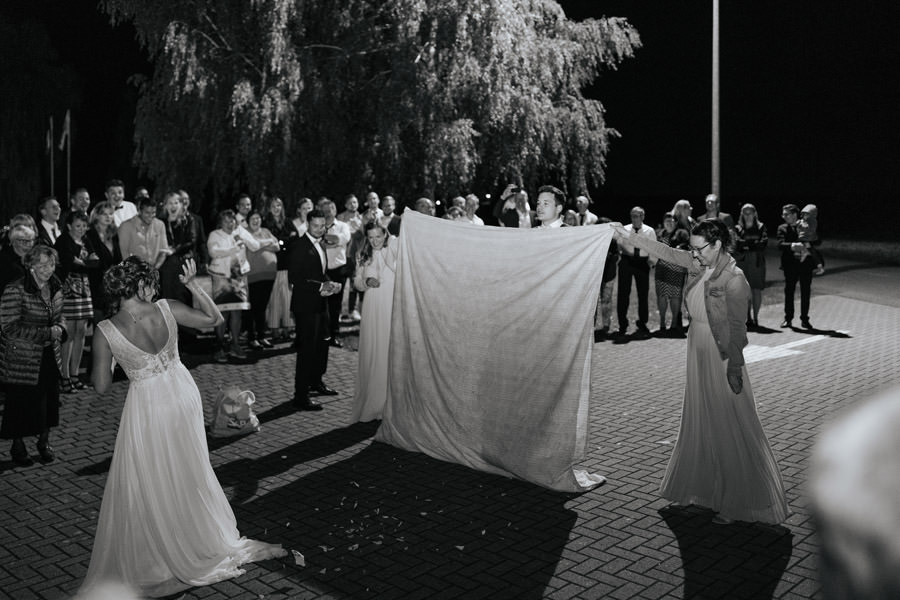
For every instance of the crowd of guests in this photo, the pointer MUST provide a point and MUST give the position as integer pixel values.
(248, 258)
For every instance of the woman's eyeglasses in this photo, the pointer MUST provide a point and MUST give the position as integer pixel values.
(696, 250)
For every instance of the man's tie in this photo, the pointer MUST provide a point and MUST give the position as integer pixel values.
(324, 255)
(637, 252)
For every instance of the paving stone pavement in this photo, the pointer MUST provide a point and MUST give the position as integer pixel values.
(376, 522)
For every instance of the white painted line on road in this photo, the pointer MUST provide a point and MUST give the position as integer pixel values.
(754, 353)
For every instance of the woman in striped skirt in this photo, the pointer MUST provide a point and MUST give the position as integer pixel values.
(76, 259)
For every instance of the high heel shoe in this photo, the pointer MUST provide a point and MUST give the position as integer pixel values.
(65, 385)
(77, 384)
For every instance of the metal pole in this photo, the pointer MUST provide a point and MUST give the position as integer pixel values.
(69, 161)
(52, 174)
(715, 101)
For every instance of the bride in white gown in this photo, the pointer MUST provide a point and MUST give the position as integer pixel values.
(374, 276)
(165, 524)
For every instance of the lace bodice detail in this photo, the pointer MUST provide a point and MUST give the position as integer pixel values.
(138, 364)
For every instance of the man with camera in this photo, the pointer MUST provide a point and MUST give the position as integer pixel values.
(513, 210)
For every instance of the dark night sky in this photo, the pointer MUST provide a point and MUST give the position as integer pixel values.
(809, 99)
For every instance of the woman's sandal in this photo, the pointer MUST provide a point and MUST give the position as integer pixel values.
(77, 384)
(65, 385)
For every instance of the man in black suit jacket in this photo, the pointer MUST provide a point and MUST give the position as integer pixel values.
(391, 220)
(311, 288)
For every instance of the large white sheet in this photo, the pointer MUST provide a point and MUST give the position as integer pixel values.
(490, 356)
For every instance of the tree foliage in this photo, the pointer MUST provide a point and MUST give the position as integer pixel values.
(416, 97)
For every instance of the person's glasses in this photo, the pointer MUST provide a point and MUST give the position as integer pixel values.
(696, 250)
(22, 241)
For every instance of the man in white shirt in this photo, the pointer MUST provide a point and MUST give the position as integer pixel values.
(123, 209)
(373, 205)
(585, 216)
(634, 264)
(549, 207)
(242, 209)
(472, 204)
(144, 235)
(337, 237)
(48, 229)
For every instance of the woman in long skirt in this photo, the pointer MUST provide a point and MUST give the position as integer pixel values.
(722, 459)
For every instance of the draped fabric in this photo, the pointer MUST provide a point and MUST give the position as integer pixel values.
(490, 352)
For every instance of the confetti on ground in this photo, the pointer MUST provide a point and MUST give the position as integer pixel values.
(298, 558)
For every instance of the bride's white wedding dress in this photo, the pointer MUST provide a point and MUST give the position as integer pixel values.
(165, 524)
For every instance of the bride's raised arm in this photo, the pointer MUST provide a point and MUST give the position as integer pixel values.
(207, 314)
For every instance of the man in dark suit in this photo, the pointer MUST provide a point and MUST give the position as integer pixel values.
(309, 303)
(795, 270)
(390, 220)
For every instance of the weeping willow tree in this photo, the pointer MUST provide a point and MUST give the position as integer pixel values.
(416, 97)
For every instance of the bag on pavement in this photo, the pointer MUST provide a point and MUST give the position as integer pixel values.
(232, 414)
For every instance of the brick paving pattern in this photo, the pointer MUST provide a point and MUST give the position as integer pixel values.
(377, 522)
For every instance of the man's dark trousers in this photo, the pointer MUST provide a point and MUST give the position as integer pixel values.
(639, 268)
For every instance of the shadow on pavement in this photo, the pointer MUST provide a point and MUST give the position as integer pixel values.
(742, 560)
(244, 474)
(390, 523)
(827, 332)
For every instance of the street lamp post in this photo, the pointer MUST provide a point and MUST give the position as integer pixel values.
(715, 188)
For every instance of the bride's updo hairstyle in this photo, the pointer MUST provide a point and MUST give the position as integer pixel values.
(131, 277)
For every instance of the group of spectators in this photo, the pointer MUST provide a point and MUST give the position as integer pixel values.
(246, 256)
(797, 241)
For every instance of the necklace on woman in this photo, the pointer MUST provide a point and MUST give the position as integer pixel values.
(130, 314)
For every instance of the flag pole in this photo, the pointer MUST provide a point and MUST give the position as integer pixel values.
(68, 156)
(50, 149)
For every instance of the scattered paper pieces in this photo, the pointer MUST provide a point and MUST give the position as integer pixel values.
(298, 558)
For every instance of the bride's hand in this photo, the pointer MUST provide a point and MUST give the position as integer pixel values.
(190, 271)
(735, 381)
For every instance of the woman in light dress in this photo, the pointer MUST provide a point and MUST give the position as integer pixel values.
(228, 268)
(278, 312)
(260, 279)
(722, 459)
(165, 525)
(374, 275)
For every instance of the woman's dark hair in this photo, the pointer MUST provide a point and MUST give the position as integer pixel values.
(680, 239)
(364, 256)
(77, 215)
(125, 280)
(713, 230)
(225, 214)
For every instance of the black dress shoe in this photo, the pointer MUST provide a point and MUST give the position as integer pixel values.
(806, 324)
(335, 343)
(786, 323)
(46, 452)
(19, 455)
(306, 404)
(323, 390)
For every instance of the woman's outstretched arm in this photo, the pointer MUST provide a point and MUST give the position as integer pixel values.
(207, 315)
